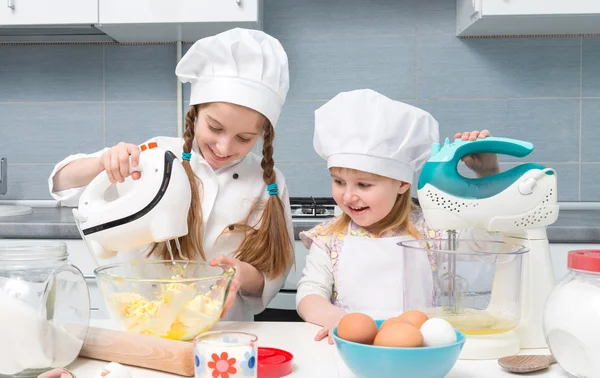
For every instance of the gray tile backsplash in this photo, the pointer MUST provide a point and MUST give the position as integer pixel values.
(51, 73)
(591, 67)
(590, 185)
(556, 123)
(136, 122)
(140, 73)
(590, 130)
(41, 133)
(450, 67)
(323, 66)
(58, 100)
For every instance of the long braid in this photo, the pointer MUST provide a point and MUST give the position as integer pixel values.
(267, 162)
(267, 245)
(191, 244)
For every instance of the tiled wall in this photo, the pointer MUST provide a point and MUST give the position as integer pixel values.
(58, 100)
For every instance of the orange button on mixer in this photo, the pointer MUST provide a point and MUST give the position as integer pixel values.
(143, 147)
(152, 145)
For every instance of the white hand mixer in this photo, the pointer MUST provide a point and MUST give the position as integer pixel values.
(518, 203)
(152, 209)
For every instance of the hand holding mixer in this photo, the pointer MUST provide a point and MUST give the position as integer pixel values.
(518, 204)
(153, 208)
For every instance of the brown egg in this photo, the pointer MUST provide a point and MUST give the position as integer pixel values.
(416, 318)
(399, 335)
(391, 321)
(358, 328)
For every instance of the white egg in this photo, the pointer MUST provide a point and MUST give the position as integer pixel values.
(437, 332)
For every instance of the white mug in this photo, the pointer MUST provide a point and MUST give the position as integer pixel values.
(225, 354)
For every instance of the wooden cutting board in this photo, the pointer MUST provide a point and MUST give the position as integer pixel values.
(171, 356)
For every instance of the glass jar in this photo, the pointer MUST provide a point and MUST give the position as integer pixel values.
(44, 308)
(572, 316)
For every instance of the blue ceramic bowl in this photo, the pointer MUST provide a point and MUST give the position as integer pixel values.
(374, 361)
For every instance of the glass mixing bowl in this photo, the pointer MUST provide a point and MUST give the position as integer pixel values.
(175, 300)
(476, 283)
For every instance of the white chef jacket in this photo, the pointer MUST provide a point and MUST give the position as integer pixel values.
(228, 195)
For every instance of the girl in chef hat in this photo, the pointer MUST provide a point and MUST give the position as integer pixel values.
(240, 212)
(373, 146)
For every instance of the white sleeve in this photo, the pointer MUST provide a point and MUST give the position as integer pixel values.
(69, 197)
(317, 275)
(272, 286)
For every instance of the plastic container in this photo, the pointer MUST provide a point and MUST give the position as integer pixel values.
(375, 361)
(572, 316)
(158, 298)
(45, 308)
(476, 283)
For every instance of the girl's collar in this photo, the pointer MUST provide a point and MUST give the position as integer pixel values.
(356, 230)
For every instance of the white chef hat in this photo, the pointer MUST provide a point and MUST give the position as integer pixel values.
(367, 131)
(240, 66)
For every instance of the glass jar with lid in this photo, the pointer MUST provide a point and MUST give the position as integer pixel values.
(44, 308)
(572, 316)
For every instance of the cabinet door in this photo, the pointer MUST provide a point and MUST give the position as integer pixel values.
(48, 12)
(539, 7)
(175, 11)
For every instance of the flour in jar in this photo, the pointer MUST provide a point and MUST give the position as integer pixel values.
(572, 327)
(30, 341)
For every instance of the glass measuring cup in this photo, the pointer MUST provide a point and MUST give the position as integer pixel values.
(477, 283)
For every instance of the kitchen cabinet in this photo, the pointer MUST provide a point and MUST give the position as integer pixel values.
(45, 12)
(530, 17)
(175, 20)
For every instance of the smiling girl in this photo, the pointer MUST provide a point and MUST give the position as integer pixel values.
(374, 147)
(240, 212)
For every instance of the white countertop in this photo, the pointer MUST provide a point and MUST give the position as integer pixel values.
(312, 359)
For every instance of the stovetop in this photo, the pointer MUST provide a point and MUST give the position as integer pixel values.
(312, 207)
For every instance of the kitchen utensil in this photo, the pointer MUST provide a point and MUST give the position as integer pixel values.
(156, 298)
(518, 205)
(40, 294)
(230, 352)
(153, 208)
(465, 293)
(526, 363)
(373, 361)
(572, 316)
(148, 352)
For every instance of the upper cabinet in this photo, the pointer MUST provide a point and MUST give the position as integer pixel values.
(48, 12)
(124, 20)
(175, 20)
(527, 17)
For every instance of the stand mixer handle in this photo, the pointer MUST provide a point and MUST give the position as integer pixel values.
(441, 170)
(460, 148)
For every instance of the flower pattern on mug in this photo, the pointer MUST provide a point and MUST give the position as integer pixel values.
(249, 364)
(222, 365)
(199, 363)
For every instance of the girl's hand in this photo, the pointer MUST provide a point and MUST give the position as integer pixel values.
(325, 332)
(116, 162)
(484, 164)
(235, 283)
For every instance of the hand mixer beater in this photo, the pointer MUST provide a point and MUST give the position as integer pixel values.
(517, 204)
(152, 209)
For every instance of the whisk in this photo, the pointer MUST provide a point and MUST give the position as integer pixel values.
(178, 246)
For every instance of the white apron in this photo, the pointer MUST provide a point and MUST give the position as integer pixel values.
(381, 279)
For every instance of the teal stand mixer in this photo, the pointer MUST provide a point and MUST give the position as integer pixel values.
(515, 206)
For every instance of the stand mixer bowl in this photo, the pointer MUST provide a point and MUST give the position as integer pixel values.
(477, 283)
(170, 299)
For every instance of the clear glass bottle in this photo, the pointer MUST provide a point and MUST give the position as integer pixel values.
(44, 308)
(572, 316)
